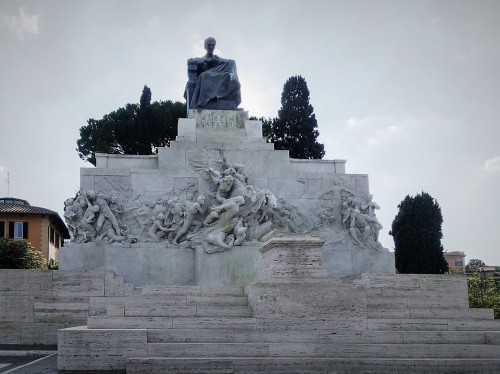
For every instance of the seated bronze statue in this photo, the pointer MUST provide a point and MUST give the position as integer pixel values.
(212, 81)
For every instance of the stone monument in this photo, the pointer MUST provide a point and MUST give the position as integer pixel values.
(198, 212)
(219, 208)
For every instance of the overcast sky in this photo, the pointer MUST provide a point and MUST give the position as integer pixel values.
(406, 91)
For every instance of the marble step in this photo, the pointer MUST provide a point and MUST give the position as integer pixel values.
(323, 336)
(192, 290)
(117, 286)
(174, 299)
(397, 311)
(171, 323)
(99, 306)
(431, 324)
(100, 349)
(281, 349)
(449, 295)
(329, 322)
(311, 365)
(341, 324)
(170, 299)
(186, 311)
(409, 301)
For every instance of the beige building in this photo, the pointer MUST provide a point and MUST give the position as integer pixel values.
(455, 260)
(42, 227)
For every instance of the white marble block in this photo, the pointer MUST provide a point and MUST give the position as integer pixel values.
(291, 257)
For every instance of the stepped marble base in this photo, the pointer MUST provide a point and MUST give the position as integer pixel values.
(364, 324)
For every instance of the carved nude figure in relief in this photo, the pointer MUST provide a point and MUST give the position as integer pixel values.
(196, 208)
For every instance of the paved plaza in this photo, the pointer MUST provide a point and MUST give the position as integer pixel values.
(25, 363)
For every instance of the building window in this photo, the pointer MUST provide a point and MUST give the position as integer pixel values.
(459, 263)
(56, 241)
(51, 234)
(18, 230)
(2, 229)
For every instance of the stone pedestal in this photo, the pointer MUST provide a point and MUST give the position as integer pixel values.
(219, 125)
(288, 257)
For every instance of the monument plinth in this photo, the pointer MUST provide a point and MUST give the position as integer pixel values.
(220, 126)
(288, 257)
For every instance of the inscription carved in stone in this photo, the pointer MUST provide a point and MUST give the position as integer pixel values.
(221, 119)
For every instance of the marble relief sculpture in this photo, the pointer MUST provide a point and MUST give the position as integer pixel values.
(229, 212)
(359, 219)
(232, 212)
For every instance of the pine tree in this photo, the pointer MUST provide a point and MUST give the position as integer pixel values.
(417, 234)
(295, 128)
(136, 129)
(475, 263)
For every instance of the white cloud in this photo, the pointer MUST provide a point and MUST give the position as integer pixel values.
(386, 129)
(367, 122)
(352, 122)
(23, 24)
(391, 133)
(2, 169)
(492, 164)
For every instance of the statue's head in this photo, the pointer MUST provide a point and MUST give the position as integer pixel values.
(201, 199)
(210, 45)
(210, 40)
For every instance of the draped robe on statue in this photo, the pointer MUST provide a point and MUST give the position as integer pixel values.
(215, 81)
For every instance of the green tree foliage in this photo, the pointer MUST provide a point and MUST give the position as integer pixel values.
(295, 128)
(137, 129)
(484, 292)
(416, 230)
(19, 254)
(475, 263)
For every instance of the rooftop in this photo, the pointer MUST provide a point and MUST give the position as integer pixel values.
(12, 205)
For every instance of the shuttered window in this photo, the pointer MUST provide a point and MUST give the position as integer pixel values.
(51, 234)
(18, 230)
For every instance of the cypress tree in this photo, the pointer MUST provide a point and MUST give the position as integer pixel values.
(417, 234)
(295, 128)
(143, 123)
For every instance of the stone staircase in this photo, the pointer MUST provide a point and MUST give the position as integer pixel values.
(416, 324)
